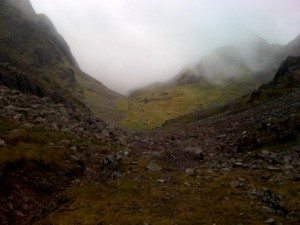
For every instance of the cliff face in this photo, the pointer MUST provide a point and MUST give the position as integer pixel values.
(34, 58)
(288, 75)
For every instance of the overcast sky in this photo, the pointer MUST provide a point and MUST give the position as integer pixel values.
(130, 43)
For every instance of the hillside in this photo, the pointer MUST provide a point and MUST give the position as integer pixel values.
(35, 59)
(225, 74)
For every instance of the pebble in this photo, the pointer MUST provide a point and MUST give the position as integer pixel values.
(266, 209)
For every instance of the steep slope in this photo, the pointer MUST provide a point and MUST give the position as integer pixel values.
(223, 75)
(35, 59)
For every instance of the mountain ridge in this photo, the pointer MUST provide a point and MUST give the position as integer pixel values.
(36, 59)
(223, 75)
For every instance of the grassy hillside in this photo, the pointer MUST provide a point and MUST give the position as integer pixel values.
(150, 108)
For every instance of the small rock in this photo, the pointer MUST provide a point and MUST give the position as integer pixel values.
(19, 213)
(234, 184)
(274, 169)
(226, 169)
(116, 175)
(270, 221)
(2, 143)
(226, 198)
(267, 209)
(187, 184)
(190, 171)
(199, 154)
(105, 133)
(238, 165)
(222, 136)
(237, 184)
(153, 166)
(161, 181)
(74, 148)
(197, 151)
(28, 125)
(121, 155)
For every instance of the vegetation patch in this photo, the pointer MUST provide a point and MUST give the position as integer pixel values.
(148, 109)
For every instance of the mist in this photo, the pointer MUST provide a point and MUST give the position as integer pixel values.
(126, 44)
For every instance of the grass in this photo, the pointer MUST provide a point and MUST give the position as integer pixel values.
(139, 198)
(148, 109)
(33, 144)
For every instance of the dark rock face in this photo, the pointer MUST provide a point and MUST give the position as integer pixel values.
(21, 28)
(293, 48)
(288, 73)
(30, 47)
(20, 81)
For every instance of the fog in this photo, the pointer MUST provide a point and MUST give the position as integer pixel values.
(126, 44)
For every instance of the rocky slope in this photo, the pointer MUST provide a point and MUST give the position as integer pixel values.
(41, 147)
(238, 165)
(35, 59)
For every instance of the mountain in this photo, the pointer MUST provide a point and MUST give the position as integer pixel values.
(285, 81)
(36, 59)
(233, 163)
(256, 59)
(221, 76)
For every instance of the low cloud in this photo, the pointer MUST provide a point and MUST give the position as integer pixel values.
(130, 43)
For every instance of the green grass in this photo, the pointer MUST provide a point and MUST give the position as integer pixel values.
(139, 198)
(147, 109)
(34, 144)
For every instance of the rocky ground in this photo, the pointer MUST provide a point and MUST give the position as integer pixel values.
(60, 165)
(232, 168)
(30, 110)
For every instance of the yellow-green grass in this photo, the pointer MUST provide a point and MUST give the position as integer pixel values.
(33, 144)
(148, 109)
(140, 198)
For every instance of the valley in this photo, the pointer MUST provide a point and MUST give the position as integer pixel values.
(193, 150)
